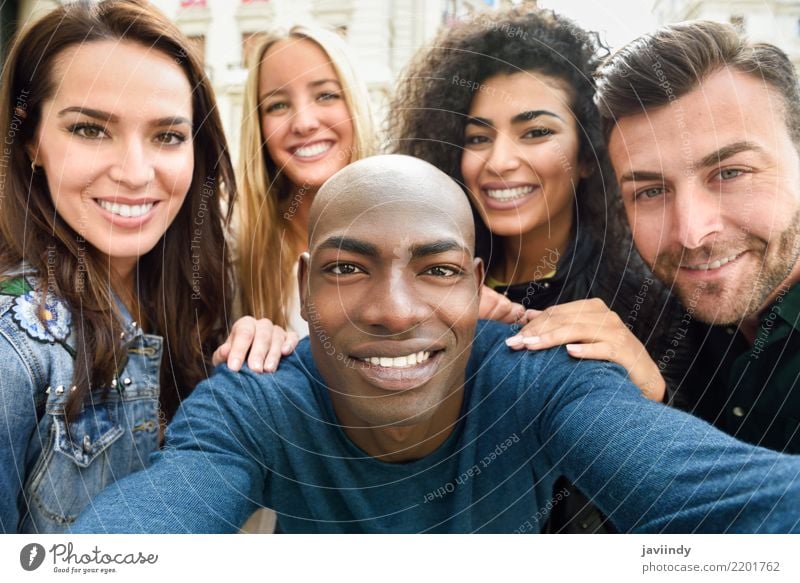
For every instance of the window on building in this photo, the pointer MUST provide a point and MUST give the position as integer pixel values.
(737, 20)
(250, 41)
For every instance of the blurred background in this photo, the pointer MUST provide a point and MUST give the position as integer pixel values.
(383, 35)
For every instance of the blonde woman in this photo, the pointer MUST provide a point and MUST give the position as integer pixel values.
(306, 116)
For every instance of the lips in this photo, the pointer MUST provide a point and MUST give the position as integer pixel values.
(312, 150)
(389, 367)
(126, 210)
(399, 361)
(711, 265)
(507, 194)
(127, 214)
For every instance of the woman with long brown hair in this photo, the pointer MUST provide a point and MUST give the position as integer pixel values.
(114, 280)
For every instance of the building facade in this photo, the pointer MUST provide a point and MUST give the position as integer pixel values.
(772, 21)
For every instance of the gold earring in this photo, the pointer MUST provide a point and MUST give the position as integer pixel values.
(33, 166)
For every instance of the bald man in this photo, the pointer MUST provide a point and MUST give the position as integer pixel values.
(400, 413)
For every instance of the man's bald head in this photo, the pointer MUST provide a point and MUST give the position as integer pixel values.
(392, 183)
(391, 273)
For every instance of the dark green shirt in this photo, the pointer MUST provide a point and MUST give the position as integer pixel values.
(751, 392)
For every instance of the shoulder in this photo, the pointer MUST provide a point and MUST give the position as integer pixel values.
(294, 382)
(35, 328)
(39, 313)
(493, 364)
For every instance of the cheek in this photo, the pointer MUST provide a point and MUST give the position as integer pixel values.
(272, 132)
(471, 164)
(178, 175)
(557, 161)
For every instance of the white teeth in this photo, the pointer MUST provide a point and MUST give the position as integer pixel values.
(713, 265)
(400, 361)
(126, 210)
(314, 150)
(509, 193)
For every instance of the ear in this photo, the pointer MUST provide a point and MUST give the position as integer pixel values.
(31, 149)
(478, 272)
(303, 267)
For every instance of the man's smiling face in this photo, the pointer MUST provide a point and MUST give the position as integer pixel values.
(711, 186)
(390, 292)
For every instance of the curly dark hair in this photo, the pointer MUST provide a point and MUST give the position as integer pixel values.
(431, 104)
(430, 108)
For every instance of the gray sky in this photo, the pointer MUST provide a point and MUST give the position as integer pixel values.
(617, 21)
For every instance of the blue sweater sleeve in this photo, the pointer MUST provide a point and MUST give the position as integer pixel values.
(651, 468)
(210, 475)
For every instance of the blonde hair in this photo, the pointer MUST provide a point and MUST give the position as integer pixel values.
(265, 255)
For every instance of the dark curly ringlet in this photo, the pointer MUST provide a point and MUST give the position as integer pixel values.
(663, 66)
(188, 313)
(430, 109)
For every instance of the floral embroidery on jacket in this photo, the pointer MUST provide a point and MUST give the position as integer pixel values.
(49, 323)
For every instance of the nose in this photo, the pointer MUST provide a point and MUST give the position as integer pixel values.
(305, 121)
(697, 215)
(133, 167)
(504, 155)
(394, 305)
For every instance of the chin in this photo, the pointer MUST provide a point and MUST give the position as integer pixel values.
(397, 414)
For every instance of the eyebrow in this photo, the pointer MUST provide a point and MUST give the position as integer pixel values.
(351, 245)
(710, 160)
(523, 117)
(313, 85)
(437, 247)
(728, 151)
(106, 117)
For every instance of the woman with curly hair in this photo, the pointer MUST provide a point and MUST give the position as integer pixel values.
(114, 284)
(504, 105)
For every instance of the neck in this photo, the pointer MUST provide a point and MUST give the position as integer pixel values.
(405, 443)
(534, 254)
(749, 325)
(123, 274)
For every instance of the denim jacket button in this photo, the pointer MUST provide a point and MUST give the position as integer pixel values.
(113, 383)
(126, 381)
(59, 389)
(87, 444)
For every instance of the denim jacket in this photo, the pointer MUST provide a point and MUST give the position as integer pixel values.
(51, 469)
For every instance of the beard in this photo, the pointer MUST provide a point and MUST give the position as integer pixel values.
(730, 299)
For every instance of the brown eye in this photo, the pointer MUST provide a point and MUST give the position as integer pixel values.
(344, 269)
(171, 138)
(87, 131)
(442, 271)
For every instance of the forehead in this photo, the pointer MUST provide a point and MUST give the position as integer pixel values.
(725, 108)
(121, 77)
(397, 222)
(294, 60)
(523, 91)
